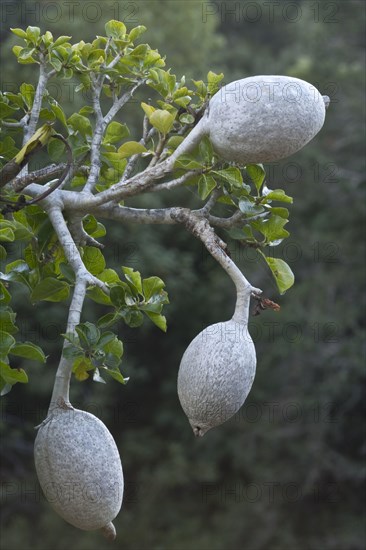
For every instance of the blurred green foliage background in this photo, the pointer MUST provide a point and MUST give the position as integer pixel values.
(287, 471)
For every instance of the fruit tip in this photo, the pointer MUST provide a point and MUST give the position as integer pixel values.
(109, 531)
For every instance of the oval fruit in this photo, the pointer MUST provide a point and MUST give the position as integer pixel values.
(216, 374)
(79, 469)
(264, 118)
(259, 119)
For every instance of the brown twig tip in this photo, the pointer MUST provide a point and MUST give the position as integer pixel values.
(264, 303)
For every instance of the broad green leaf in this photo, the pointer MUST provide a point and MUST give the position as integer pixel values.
(7, 320)
(7, 235)
(279, 195)
(272, 228)
(81, 367)
(117, 296)
(60, 115)
(6, 110)
(33, 34)
(282, 273)
(61, 40)
(115, 132)
(88, 333)
(115, 29)
(148, 109)
(114, 346)
(12, 376)
(29, 351)
(50, 290)
(188, 162)
(133, 277)
(257, 174)
(133, 319)
(98, 296)
(109, 276)
(231, 175)
(19, 32)
(279, 211)
(151, 286)
(6, 343)
(116, 375)
(136, 32)
(186, 118)
(130, 148)
(81, 124)
(162, 120)
(55, 149)
(213, 82)
(93, 260)
(250, 208)
(205, 185)
(5, 296)
(27, 91)
(158, 320)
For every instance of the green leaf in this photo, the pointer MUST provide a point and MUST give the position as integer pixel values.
(33, 34)
(6, 343)
(231, 175)
(12, 376)
(80, 124)
(88, 333)
(50, 290)
(213, 82)
(272, 228)
(205, 185)
(115, 132)
(282, 273)
(162, 120)
(188, 162)
(81, 367)
(257, 174)
(148, 109)
(61, 40)
(117, 296)
(19, 32)
(136, 32)
(130, 148)
(55, 149)
(249, 208)
(114, 346)
(134, 278)
(158, 320)
(60, 115)
(29, 351)
(7, 235)
(279, 195)
(151, 286)
(186, 118)
(5, 296)
(93, 260)
(279, 211)
(6, 110)
(28, 92)
(115, 29)
(133, 318)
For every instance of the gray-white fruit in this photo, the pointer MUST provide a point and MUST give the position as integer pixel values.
(259, 119)
(79, 469)
(216, 374)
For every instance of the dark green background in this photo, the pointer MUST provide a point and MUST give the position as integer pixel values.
(287, 472)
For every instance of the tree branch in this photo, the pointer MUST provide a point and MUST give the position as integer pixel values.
(61, 385)
(201, 229)
(38, 98)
